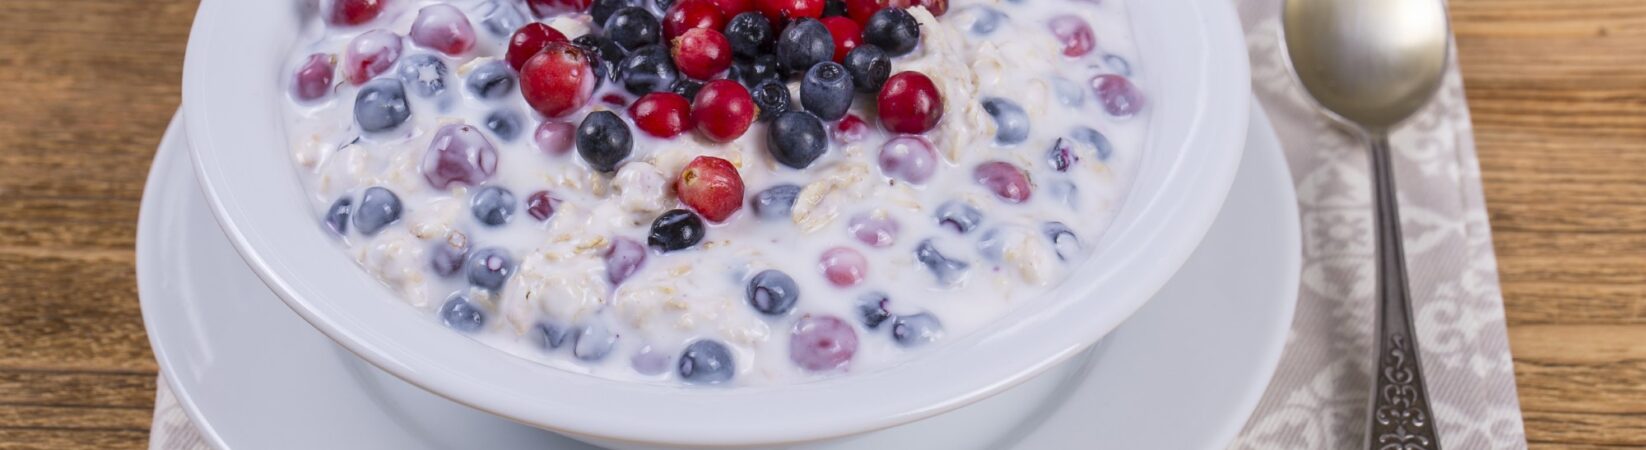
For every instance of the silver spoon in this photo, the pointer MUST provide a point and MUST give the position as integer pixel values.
(1372, 64)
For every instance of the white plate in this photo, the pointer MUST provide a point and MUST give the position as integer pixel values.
(1183, 373)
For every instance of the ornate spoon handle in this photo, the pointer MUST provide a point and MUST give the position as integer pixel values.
(1400, 414)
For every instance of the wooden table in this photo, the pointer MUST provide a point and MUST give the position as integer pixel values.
(1557, 89)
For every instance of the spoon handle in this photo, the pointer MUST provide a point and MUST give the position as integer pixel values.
(1400, 414)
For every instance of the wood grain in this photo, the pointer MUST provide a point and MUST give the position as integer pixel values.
(1557, 89)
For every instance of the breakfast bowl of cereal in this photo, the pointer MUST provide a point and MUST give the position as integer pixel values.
(715, 223)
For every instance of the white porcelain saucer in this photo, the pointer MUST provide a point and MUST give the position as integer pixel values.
(1183, 373)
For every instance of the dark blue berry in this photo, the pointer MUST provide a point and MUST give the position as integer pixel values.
(1118, 65)
(632, 28)
(1062, 156)
(551, 336)
(676, 230)
(872, 308)
(803, 44)
(603, 10)
(869, 66)
(1062, 238)
(834, 8)
(446, 260)
(827, 91)
(648, 70)
(604, 140)
(337, 216)
(1011, 123)
(772, 97)
(500, 18)
(796, 138)
(893, 30)
(488, 268)
(947, 270)
(505, 124)
(958, 216)
(1095, 139)
(662, 6)
(594, 341)
(750, 34)
(706, 362)
(687, 87)
(491, 81)
(462, 315)
(381, 105)
(493, 205)
(773, 293)
(916, 330)
(603, 54)
(379, 207)
(776, 202)
(985, 20)
(751, 73)
(424, 74)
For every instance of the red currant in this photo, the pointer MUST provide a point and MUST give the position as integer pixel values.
(780, 12)
(689, 14)
(354, 12)
(731, 8)
(847, 36)
(558, 81)
(844, 266)
(910, 103)
(861, 10)
(555, 137)
(1118, 96)
(313, 79)
(443, 28)
(712, 187)
(540, 205)
(1075, 34)
(662, 114)
(530, 39)
(701, 53)
(1005, 180)
(936, 7)
(370, 54)
(724, 110)
(851, 129)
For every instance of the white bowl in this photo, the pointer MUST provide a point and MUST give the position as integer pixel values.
(1196, 75)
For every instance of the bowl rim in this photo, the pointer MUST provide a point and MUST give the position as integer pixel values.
(404, 344)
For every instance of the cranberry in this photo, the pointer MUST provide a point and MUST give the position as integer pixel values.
(313, 79)
(540, 205)
(548, 8)
(354, 12)
(370, 54)
(731, 8)
(861, 10)
(459, 154)
(936, 7)
(623, 259)
(712, 187)
(662, 114)
(822, 343)
(780, 12)
(529, 40)
(910, 103)
(1075, 34)
(851, 129)
(1004, 179)
(873, 229)
(689, 14)
(555, 137)
(702, 53)
(443, 28)
(615, 100)
(908, 158)
(844, 266)
(558, 80)
(847, 36)
(1119, 97)
(724, 110)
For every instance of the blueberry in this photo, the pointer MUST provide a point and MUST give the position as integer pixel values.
(803, 44)
(379, 207)
(491, 81)
(751, 73)
(772, 97)
(662, 6)
(1011, 123)
(603, 140)
(869, 66)
(676, 230)
(462, 315)
(686, 87)
(500, 18)
(1066, 192)
(551, 336)
(488, 268)
(775, 202)
(604, 55)
(893, 30)
(947, 270)
(834, 8)
(916, 330)
(1095, 139)
(985, 20)
(706, 362)
(1062, 156)
(381, 105)
(594, 341)
(446, 260)
(750, 34)
(827, 91)
(1069, 93)
(773, 293)
(425, 74)
(337, 216)
(871, 307)
(504, 123)
(1118, 65)
(648, 70)
(632, 28)
(1063, 240)
(796, 138)
(603, 10)
(991, 245)
(493, 205)
(958, 216)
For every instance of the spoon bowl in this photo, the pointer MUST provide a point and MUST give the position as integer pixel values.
(1371, 62)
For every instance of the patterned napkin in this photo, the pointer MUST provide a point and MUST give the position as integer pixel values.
(1318, 397)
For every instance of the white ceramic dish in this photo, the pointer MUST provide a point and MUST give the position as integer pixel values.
(1199, 101)
(248, 371)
